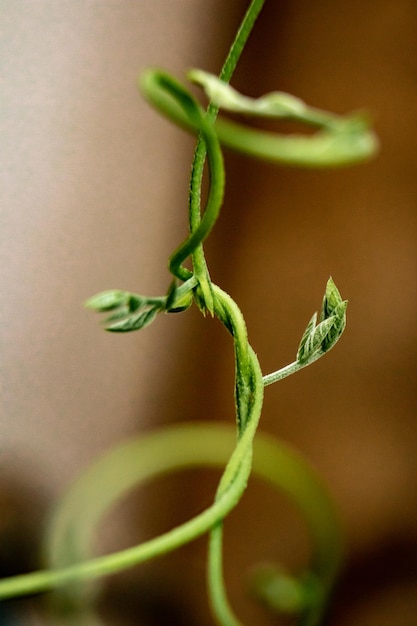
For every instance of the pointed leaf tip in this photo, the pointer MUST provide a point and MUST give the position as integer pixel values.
(106, 300)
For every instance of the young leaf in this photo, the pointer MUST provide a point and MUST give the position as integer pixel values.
(301, 352)
(338, 326)
(135, 302)
(312, 342)
(331, 300)
(119, 314)
(181, 303)
(135, 322)
(323, 336)
(107, 300)
(276, 104)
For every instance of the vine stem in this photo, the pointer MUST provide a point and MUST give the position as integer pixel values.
(249, 399)
(288, 370)
(197, 170)
(220, 604)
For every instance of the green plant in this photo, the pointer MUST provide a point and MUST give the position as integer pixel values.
(337, 141)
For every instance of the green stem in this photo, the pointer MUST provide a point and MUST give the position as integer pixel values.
(219, 602)
(208, 145)
(226, 73)
(214, 202)
(171, 97)
(249, 400)
(247, 369)
(290, 369)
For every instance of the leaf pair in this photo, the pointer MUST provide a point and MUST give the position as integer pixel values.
(129, 311)
(320, 338)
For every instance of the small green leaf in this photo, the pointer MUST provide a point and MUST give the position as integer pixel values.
(312, 342)
(323, 336)
(331, 300)
(181, 302)
(306, 335)
(135, 322)
(107, 300)
(276, 104)
(119, 314)
(333, 307)
(135, 302)
(338, 326)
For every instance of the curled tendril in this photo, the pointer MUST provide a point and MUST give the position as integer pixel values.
(164, 93)
(339, 140)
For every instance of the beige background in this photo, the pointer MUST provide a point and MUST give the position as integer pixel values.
(93, 196)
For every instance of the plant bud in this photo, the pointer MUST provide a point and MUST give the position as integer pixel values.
(107, 300)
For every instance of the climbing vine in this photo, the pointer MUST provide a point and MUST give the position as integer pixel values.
(336, 141)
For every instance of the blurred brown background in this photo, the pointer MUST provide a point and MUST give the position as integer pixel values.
(281, 234)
